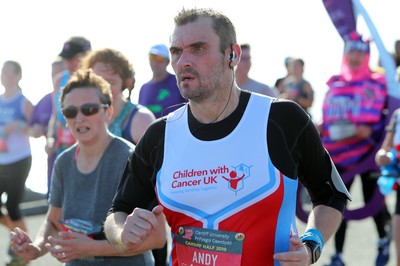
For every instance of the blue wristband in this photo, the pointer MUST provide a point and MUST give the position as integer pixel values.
(313, 235)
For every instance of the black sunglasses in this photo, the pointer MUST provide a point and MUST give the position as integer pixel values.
(86, 109)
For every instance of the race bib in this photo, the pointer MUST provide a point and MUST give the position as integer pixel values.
(65, 137)
(199, 246)
(84, 227)
(342, 131)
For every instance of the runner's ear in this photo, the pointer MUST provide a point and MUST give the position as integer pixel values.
(110, 111)
(129, 84)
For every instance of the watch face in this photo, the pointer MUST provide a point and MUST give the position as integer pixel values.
(315, 250)
(317, 253)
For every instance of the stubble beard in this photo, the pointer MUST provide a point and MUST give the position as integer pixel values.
(205, 91)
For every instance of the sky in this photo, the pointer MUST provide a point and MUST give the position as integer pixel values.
(33, 33)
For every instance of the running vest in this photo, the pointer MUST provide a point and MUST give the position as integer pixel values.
(121, 125)
(227, 185)
(116, 126)
(18, 146)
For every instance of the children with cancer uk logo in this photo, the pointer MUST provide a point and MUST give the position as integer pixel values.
(207, 178)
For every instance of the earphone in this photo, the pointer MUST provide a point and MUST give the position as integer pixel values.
(232, 57)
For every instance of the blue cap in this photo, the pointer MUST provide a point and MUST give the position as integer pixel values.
(161, 50)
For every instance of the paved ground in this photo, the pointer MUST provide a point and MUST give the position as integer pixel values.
(360, 249)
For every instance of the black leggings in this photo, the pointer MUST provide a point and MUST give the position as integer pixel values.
(12, 182)
(368, 188)
(397, 208)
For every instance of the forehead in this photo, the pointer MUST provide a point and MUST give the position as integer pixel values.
(200, 30)
(356, 53)
(79, 96)
(296, 63)
(103, 69)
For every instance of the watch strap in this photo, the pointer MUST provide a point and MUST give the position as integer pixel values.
(314, 235)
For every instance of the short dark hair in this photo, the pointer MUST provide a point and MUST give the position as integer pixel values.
(245, 46)
(222, 25)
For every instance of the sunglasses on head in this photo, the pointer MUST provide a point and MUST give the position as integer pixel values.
(156, 58)
(86, 109)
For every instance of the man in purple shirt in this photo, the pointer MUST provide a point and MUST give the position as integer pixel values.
(161, 94)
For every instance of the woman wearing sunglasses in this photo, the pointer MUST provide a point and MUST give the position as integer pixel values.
(129, 120)
(84, 180)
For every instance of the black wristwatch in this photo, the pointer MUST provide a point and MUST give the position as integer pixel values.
(315, 250)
